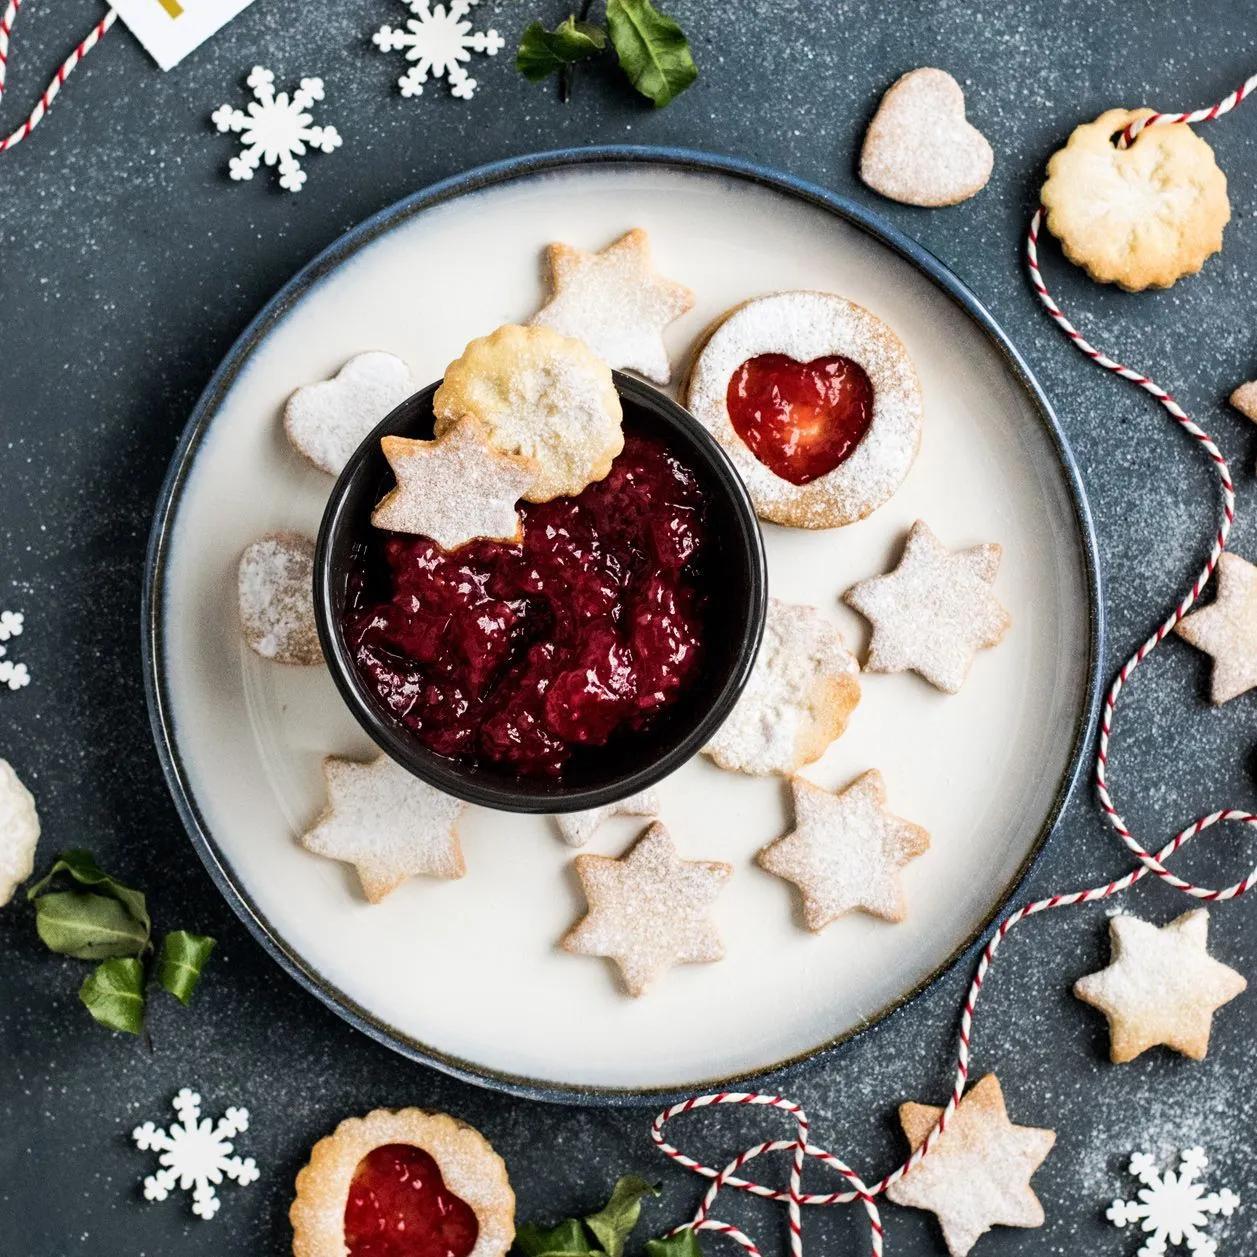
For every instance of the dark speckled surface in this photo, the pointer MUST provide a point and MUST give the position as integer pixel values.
(128, 264)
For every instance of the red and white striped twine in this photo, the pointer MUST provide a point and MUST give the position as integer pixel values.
(794, 1197)
(85, 45)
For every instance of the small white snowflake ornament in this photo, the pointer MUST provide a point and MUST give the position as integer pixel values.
(1173, 1207)
(276, 129)
(12, 674)
(438, 39)
(196, 1154)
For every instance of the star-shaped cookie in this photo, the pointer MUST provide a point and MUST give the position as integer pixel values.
(1227, 629)
(978, 1174)
(577, 828)
(387, 823)
(1244, 399)
(454, 489)
(845, 851)
(1161, 987)
(616, 302)
(934, 612)
(648, 910)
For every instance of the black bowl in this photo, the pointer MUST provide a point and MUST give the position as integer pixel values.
(598, 775)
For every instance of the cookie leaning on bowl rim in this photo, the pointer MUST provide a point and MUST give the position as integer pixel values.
(804, 326)
(470, 1170)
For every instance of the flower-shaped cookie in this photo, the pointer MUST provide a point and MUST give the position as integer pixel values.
(1139, 217)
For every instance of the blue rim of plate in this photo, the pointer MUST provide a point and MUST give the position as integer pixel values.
(329, 259)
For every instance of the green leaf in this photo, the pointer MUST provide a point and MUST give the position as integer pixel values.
(114, 994)
(88, 927)
(542, 52)
(82, 867)
(568, 1239)
(652, 49)
(180, 960)
(614, 1222)
(682, 1244)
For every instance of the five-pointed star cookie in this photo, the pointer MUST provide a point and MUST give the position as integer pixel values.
(1227, 629)
(616, 302)
(845, 851)
(387, 823)
(978, 1174)
(454, 489)
(934, 612)
(1161, 987)
(577, 828)
(648, 910)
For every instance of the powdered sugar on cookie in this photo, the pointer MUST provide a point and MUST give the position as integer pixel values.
(19, 832)
(388, 824)
(934, 612)
(616, 302)
(327, 421)
(455, 489)
(978, 1174)
(1161, 986)
(919, 149)
(1226, 629)
(276, 593)
(845, 851)
(541, 396)
(806, 326)
(648, 911)
(577, 828)
(800, 694)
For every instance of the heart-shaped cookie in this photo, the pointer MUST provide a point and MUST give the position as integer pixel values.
(801, 419)
(327, 421)
(919, 149)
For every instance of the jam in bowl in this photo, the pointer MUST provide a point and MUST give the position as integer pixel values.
(570, 668)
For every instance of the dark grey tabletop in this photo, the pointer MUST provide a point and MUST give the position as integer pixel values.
(128, 263)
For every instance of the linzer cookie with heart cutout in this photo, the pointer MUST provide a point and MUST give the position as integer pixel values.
(403, 1181)
(815, 400)
(919, 148)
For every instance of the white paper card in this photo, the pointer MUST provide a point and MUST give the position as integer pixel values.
(170, 29)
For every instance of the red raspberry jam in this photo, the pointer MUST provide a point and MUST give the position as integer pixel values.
(399, 1206)
(800, 419)
(521, 655)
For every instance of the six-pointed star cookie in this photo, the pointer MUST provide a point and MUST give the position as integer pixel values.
(577, 828)
(454, 489)
(1227, 629)
(615, 302)
(978, 1174)
(845, 851)
(648, 911)
(388, 824)
(934, 612)
(1161, 987)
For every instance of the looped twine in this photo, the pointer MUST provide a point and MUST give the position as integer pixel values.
(1147, 862)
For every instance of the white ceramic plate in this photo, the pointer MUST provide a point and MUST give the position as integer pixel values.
(466, 974)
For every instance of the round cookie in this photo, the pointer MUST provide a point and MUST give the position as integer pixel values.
(276, 591)
(797, 330)
(541, 395)
(1139, 217)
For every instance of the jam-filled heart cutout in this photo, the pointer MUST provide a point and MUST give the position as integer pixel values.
(800, 419)
(399, 1206)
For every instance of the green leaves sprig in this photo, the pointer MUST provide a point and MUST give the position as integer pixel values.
(109, 923)
(650, 47)
(605, 1233)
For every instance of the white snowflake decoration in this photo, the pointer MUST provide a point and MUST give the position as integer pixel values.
(275, 129)
(195, 1153)
(1172, 1208)
(14, 675)
(438, 40)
